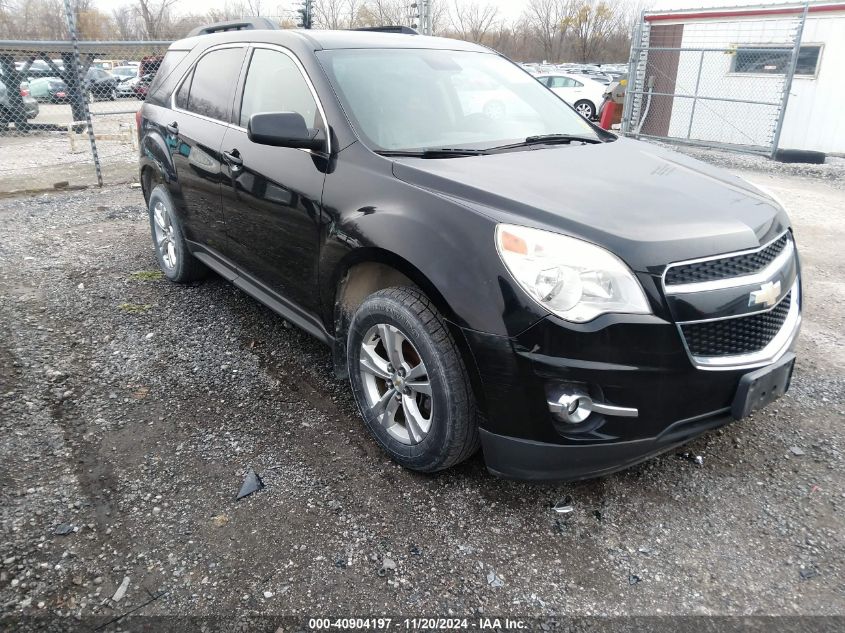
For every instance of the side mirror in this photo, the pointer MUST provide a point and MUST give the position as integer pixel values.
(283, 129)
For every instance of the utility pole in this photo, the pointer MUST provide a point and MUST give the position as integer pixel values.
(421, 16)
(305, 13)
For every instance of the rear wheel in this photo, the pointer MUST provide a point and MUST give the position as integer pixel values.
(586, 109)
(175, 260)
(409, 381)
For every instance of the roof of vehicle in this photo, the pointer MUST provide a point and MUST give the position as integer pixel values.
(327, 40)
(566, 73)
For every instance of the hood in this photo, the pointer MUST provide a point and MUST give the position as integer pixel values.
(647, 205)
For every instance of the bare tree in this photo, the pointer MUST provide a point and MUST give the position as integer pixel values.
(592, 23)
(154, 14)
(471, 20)
(331, 14)
(124, 21)
(383, 13)
(550, 19)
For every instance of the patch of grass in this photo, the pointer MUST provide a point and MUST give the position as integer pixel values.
(147, 275)
(134, 308)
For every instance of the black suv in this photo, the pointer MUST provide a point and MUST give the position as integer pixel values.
(510, 277)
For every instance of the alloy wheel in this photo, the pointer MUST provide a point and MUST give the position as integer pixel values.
(585, 110)
(165, 237)
(396, 384)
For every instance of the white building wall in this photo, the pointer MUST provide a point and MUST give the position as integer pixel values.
(816, 106)
(816, 109)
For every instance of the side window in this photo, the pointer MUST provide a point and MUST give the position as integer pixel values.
(561, 82)
(274, 83)
(576, 84)
(182, 94)
(214, 79)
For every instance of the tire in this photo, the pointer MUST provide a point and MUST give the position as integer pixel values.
(586, 109)
(808, 157)
(445, 431)
(175, 260)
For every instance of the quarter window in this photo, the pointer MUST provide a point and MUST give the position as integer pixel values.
(214, 79)
(182, 93)
(274, 83)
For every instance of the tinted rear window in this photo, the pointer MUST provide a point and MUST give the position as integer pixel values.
(213, 85)
(162, 68)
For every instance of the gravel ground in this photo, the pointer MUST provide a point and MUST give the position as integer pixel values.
(130, 409)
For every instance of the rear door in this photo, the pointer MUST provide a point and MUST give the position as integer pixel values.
(565, 87)
(202, 105)
(272, 198)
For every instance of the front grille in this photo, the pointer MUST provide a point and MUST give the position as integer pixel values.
(726, 267)
(732, 337)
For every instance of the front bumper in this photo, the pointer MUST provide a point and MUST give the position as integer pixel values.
(625, 360)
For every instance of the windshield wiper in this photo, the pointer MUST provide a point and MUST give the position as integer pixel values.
(438, 152)
(551, 139)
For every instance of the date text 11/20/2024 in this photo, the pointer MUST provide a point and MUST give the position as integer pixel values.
(416, 624)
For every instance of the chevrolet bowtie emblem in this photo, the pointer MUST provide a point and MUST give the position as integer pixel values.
(768, 294)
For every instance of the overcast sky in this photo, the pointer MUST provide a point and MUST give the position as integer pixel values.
(508, 9)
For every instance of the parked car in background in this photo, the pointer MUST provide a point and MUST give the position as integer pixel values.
(142, 85)
(100, 84)
(110, 64)
(49, 89)
(582, 93)
(127, 87)
(124, 72)
(10, 110)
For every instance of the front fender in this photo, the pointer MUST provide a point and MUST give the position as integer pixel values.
(449, 246)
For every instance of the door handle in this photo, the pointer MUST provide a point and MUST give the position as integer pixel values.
(234, 159)
(172, 128)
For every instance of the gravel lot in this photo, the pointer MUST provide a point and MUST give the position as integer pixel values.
(130, 409)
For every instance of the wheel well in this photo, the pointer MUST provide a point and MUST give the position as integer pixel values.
(363, 278)
(356, 284)
(148, 176)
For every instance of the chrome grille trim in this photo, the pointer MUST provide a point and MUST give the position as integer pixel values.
(781, 342)
(762, 276)
(776, 348)
(711, 258)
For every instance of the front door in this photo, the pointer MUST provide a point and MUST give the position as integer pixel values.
(272, 201)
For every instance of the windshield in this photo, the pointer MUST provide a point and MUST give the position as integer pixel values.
(418, 99)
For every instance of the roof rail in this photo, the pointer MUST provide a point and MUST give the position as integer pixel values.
(234, 25)
(407, 30)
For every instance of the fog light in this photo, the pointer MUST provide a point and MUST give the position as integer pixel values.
(575, 407)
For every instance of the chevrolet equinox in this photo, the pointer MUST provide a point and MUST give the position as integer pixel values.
(504, 276)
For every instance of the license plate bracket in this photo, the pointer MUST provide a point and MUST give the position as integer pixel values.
(760, 388)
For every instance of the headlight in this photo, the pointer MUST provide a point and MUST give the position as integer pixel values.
(574, 279)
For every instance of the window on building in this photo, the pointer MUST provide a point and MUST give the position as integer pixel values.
(772, 60)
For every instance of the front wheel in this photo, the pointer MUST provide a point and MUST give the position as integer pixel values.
(409, 381)
(586, 109)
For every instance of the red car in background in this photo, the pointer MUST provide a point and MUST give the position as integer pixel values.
(146, 73)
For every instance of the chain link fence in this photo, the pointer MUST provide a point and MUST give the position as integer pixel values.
(67, 111)
(719, 82)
